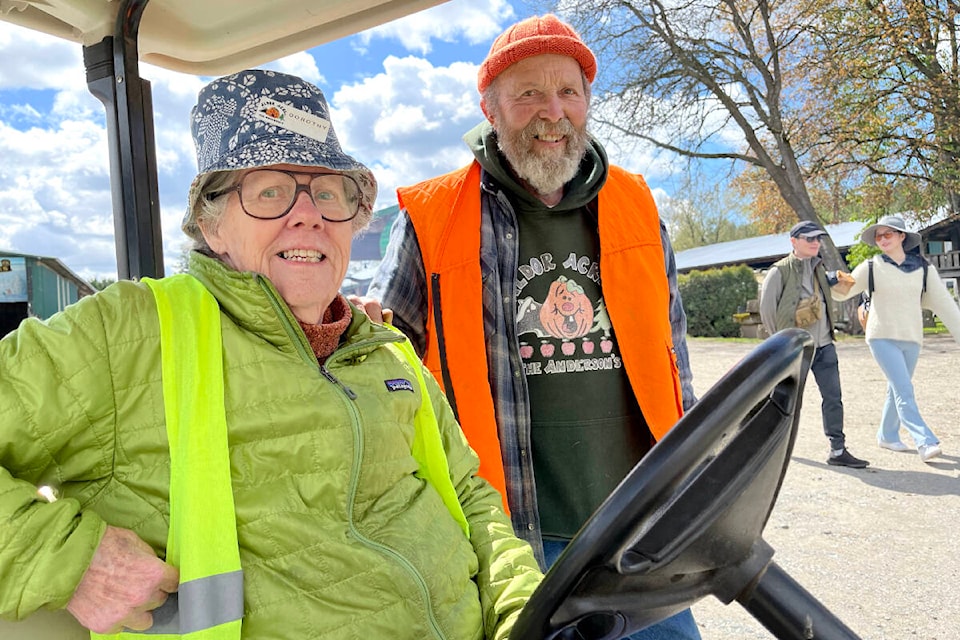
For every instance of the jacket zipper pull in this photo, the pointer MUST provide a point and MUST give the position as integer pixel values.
(332, 378)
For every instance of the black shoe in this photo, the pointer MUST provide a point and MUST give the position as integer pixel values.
(845, 459)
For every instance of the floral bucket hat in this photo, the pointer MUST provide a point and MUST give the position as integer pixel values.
(257, 118)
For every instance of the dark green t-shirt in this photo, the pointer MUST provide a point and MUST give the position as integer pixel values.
(587, 430)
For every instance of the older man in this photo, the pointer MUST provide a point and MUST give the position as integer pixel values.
(540, 286)
(795, 293)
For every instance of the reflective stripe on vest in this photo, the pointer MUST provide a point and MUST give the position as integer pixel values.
(202, 540)
(427, 446)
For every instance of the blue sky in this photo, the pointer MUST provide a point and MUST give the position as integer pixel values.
(401, 97)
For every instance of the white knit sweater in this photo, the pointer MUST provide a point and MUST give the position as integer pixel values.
(896, 304)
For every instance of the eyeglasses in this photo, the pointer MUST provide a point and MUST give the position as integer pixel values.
(883, 235)
(268, 194)
(811, 239)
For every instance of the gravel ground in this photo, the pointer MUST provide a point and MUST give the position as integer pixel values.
(878, 546)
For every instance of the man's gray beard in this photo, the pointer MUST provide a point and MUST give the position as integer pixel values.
(545, 173)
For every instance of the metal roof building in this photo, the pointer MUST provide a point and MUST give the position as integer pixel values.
(762, 251)
(35, 286)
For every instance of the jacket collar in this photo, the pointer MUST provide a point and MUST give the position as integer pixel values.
(251, 302)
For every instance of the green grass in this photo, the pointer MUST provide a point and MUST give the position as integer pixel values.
(927, 331)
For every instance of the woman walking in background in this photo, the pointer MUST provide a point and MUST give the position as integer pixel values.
(904, 284)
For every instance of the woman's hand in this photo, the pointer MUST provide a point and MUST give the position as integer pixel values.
(125, 582)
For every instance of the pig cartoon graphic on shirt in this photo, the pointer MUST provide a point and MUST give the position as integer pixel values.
(565, 314)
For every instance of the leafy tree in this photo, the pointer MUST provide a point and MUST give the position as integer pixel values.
(703, 214)
(768, 211)
(889, 74)
(101, 283)
(839, 193)
(711, 79)
(182, 265)
(860, 252)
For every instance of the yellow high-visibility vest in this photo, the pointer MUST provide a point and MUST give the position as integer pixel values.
(202, 539)
(209, 603)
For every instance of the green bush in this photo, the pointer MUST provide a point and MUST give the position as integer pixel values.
(711, 297)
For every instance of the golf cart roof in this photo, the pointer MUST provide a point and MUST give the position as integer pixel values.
(212, 37)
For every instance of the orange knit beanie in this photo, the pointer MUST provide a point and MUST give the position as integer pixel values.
(532, 37)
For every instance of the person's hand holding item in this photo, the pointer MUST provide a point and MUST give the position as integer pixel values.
(844, 282)
(125, 582)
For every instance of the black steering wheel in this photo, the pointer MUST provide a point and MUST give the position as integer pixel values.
(687, 521)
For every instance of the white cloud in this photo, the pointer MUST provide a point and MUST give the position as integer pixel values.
(407, 122)
(41, 61)
(55, 184)
(472, 21)
(300, 64)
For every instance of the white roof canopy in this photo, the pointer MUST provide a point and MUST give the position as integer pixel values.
(212, 37)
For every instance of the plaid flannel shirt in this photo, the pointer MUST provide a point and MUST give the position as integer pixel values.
(401, 285)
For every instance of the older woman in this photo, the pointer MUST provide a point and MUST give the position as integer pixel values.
(903, 285)
(336, 527)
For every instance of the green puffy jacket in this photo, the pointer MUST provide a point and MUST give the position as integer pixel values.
(338, 537)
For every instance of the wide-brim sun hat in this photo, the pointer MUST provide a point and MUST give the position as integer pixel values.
(257, 118)
(869, 235)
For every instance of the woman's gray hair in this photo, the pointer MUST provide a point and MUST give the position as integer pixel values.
(208, 211)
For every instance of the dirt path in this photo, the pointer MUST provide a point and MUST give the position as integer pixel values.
(880, 547)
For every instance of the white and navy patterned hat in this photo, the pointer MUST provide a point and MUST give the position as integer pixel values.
(257, 118)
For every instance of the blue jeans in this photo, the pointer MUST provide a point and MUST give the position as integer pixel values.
(898, 359)
(826, 371)
(679, 627)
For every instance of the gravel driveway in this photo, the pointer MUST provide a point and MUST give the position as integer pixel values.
(879, 547)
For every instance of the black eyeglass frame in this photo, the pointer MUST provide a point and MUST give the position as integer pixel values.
(305, 188)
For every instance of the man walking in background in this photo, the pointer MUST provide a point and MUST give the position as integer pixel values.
(795, 293)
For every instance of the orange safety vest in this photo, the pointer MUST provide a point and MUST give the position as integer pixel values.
(445, 212)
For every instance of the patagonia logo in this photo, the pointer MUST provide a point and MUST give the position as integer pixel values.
(398, 384)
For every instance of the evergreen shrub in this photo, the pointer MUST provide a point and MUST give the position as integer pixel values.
(711, 297)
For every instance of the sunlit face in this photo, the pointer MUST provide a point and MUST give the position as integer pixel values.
(303, 255)
(806, 246)
(889, 239)
(540, 117)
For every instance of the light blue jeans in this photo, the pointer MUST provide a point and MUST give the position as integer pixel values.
(679, 627)
(897, 360)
